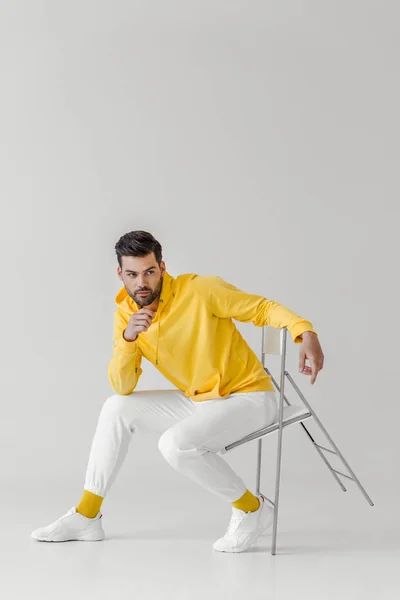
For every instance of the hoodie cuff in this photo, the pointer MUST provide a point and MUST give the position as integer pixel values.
(300, 328)
(127, 347)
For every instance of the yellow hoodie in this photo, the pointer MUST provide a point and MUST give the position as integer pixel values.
(193, 341)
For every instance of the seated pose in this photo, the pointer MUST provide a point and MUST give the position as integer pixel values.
(184, 327)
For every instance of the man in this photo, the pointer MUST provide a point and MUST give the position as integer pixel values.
(184, 327)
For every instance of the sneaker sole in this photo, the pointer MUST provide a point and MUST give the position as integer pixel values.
(95, 536)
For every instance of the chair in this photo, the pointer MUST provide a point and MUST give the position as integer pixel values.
(274, 342)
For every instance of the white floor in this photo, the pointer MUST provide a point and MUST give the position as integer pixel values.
(335, 546)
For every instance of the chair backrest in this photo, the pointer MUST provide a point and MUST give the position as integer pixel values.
(272, 340)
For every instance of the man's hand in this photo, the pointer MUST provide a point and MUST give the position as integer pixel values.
(310, 349)
(139, 322)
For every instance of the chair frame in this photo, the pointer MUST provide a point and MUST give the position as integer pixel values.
(281, 424)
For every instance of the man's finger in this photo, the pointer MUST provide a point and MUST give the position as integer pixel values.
(314, 370)
(147, 311)
(302, 361)
(143, 317)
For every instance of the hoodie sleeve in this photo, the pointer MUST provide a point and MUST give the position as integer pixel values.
(124, 367)
(227, 301)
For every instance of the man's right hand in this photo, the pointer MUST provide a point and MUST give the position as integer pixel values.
(139, 321)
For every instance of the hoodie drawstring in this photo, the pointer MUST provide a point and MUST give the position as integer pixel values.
(159, 322)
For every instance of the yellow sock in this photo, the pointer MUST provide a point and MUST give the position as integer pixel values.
(248, 502)
(89, 505)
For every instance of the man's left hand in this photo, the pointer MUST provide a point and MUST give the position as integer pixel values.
(310, 349)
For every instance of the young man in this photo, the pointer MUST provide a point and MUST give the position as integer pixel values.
(184, 327)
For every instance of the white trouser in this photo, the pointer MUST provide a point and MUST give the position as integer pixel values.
(192, 434)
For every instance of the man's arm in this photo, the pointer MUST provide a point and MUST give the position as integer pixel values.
(124, 367)
(227, 301)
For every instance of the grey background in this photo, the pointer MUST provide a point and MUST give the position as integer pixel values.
(257, 141)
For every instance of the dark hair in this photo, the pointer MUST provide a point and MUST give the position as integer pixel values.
(138, 243)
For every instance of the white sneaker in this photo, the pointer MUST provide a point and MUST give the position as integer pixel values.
(71, 526)
(244, 528)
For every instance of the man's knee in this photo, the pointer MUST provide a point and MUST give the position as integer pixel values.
(113, 406)
(167, 445)
(177, 448)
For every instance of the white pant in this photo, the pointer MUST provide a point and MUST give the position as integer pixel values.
(192, 434)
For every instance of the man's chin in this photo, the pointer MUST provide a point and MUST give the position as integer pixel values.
(142, 301)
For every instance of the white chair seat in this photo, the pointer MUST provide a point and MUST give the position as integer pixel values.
(294, 410)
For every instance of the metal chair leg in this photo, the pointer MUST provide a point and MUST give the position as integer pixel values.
(318, 447)
(279, 451)
(306, 431)
(258, 475)
(259, 445)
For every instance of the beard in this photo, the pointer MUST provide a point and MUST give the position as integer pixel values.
(151, 296)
